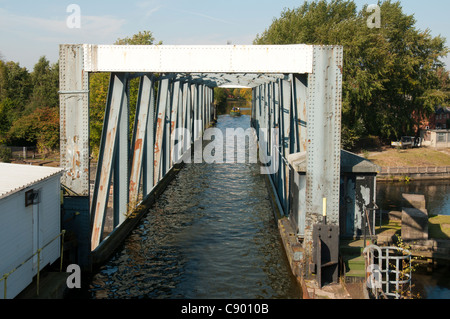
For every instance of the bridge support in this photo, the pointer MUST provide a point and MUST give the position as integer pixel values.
(305, 113)
(296, 106)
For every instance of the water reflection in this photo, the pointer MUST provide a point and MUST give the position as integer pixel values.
(437, 195)
(211, 234)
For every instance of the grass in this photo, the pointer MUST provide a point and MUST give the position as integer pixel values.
(439, 227)
(417, 157)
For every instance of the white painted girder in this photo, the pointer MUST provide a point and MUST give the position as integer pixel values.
(296, 58)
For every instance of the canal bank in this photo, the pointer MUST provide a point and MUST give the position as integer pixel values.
(429, 252)
(294, 251)
(398, 174)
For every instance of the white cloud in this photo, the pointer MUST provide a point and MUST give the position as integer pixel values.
(149, 7)
(151, 11)
(41, 35)
(92, 27)
(208, 17)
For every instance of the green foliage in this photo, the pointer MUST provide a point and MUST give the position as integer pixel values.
(389, 74)
(220, 99)
(8, 114)
(98, 92)
(29, 102)
(5, 154)
(444, 83)
(40, 128)
(15, 84)
(45, 80)
(141, 38)
(29, 105)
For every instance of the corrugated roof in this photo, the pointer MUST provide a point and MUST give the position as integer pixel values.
(15, 177)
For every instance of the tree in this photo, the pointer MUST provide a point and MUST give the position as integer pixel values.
(220, 99)
(141, 38)
(40, 128)
(16, 83)
(389, 73)
(444, 84)
(15, 90)
(98, 92)
(45, 80)
(29, 105)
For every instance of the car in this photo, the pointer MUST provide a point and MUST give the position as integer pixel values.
(408, 142)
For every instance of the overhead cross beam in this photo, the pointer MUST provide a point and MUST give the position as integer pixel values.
(199, 59)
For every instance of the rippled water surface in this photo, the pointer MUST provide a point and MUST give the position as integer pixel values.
(212, 234)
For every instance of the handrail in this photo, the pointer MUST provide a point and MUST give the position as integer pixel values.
(386, 268)
(38, 252)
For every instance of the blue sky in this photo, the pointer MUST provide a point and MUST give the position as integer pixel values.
(31, 29)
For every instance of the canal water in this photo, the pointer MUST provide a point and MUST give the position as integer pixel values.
(211, 235)
(437, 195)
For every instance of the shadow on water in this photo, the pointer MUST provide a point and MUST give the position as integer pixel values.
(212, 234)
(437, 195)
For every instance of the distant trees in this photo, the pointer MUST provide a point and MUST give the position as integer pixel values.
(222, 94)
(141, 38)
(29, 113)
(390, 73)
(29, 101)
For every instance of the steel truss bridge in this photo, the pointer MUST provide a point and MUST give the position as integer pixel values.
(296, 89)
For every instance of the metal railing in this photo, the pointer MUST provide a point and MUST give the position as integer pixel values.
(388, 271)
(38, 253)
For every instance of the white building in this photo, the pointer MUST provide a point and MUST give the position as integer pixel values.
(30, 219)
(436, 138)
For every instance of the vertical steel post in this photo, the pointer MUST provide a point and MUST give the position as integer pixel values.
(258, 109)
(201, 108)
(187, 116)
(195, 106)
(74, 119)
(208, 105)
(74, 143)
(324, 138)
